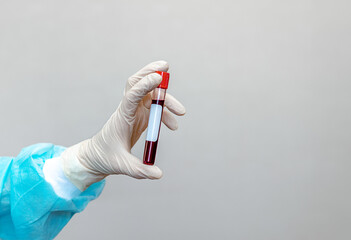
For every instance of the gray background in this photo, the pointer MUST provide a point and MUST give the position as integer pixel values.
(264, 150)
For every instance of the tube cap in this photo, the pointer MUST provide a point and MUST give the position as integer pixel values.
(165, 79)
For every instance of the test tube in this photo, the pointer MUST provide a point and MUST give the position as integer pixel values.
(154, 125)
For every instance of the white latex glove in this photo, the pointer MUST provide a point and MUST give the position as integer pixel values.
(109, 151)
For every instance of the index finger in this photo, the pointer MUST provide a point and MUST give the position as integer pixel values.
(150, 68)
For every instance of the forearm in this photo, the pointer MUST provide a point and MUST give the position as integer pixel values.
(30, 208)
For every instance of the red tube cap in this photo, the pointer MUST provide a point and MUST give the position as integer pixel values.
(165, 79)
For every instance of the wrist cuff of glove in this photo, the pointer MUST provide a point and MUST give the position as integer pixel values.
(78, 174)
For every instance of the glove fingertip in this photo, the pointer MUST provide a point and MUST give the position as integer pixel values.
(154, 80)
(182, 111)
(155, 77)
(153, 172)
(162, 66)
(158, 173)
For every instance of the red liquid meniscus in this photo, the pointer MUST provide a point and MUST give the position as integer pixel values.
(158, 102)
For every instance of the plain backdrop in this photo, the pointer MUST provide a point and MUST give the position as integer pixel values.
(264, 150)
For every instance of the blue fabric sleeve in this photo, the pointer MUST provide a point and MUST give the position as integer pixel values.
(29, 207)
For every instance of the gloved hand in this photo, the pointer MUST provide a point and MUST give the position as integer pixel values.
(109, 151)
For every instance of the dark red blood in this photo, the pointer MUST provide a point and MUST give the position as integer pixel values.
(150, 152)
(158, 102)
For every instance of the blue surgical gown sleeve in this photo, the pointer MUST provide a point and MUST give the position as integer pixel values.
(29, 207)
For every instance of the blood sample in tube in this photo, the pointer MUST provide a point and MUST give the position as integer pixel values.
(154, 125)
